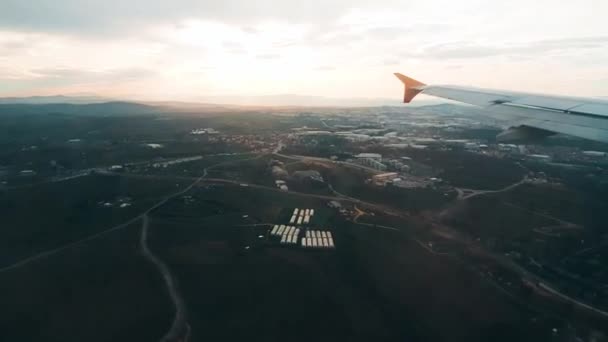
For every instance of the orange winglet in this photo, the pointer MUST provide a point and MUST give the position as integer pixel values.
(412, 87)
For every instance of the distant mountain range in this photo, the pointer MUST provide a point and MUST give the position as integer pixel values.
(93, 105)
(102, 108)
(306, 101)
(281, 100)
(53, 99)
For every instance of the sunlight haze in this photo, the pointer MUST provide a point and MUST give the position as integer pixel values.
(195, 50)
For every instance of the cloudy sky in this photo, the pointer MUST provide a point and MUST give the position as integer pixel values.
(191, 49)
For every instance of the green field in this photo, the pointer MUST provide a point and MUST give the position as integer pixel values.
(102, 290)
(376, 285)
(36, 219)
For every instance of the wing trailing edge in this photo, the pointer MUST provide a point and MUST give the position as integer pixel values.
(412, 87)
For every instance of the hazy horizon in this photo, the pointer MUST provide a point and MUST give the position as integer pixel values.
(192, 51)
(278, 100)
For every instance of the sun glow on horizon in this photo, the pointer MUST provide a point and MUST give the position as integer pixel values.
(351, 53)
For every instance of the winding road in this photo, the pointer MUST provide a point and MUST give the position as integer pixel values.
(179, 329)
(464, 193)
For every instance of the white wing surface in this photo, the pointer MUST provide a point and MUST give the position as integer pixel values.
(527, 113)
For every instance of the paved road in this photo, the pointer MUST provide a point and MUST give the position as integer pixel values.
(462, 195)
(326, 160)
(341, 197)
(382, 208)
(78, 174)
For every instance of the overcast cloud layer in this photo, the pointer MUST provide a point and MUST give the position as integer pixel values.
(189, 50)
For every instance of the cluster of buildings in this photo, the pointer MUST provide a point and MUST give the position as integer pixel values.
(301, 216)
(424, 129)
(318, 239)
(403, 164)
(308, 175)
(175, 161)
(281, 184)
(201, 131)
(399, 165)
(255, 143)
(383, 178)
(373, 160)
(288, 234)
(560, 155)
(418, 174)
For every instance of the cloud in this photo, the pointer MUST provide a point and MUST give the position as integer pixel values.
(396, 32)
(268, 56)
(325, 68)
(113, 17)
(51, 81)
(74, 76)
(249, 29)
(390, 62)
(237, 51)
(465, 50)
(13, 45)
(324, 47)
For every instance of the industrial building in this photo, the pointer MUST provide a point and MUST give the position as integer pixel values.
(281, 184)
(384, 177)
(597, 154)
(288, 234)
(540, 157)
(318, 239)
(373, 156)
(302, 216)
(373, 163)
(334, 204)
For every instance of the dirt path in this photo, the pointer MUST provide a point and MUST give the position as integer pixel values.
(179, 327)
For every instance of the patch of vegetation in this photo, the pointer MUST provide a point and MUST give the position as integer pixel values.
(101, 290)
(43, 217)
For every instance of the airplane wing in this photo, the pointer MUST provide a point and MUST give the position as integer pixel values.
(530, 115)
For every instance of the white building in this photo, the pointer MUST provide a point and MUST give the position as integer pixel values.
(373, 156)
(596, 154)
